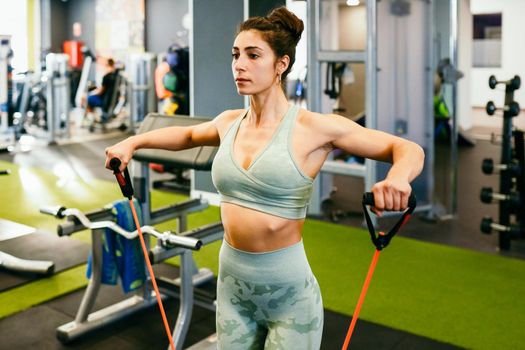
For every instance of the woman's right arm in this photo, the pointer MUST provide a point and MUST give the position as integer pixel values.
(174, 138)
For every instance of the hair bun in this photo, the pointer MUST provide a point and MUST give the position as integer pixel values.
(282, 17)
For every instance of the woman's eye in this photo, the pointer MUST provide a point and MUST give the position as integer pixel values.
(235, 55)
(252, 55)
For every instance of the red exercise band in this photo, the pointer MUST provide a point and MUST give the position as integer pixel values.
(153, 281)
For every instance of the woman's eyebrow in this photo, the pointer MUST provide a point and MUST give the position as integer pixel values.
(235, 48)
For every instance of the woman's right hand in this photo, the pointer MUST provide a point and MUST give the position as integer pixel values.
(123, 151)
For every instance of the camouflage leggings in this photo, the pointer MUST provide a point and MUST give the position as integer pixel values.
(268, 300)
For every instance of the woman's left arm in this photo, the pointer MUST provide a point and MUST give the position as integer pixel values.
(407, 159)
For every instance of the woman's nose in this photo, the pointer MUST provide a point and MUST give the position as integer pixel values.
(239, 64)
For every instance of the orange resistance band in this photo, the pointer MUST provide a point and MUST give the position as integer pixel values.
(361, 298)
(150, 269)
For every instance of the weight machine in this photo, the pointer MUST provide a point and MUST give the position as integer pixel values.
(179, 242)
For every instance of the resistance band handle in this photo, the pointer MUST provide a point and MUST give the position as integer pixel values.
(382, 240)
(368, 199)
(124, 181)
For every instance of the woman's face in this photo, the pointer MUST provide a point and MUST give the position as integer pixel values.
(253, 63)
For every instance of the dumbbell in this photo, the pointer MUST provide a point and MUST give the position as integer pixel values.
(487, 196)
(513, 108)
(488, 167)
(487, 226)
(513, 83)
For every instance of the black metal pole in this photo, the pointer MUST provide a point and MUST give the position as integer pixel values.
(505, 180)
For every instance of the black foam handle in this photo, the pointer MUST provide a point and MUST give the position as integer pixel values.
(124, 181)
(114, 164)
(368, 199)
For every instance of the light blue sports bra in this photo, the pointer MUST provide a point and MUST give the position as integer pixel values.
(273, 183)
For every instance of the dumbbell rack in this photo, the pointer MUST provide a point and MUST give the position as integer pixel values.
(511, 196)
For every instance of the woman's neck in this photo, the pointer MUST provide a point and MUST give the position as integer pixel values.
(268, 107)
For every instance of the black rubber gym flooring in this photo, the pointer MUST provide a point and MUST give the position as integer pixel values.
(35, 328)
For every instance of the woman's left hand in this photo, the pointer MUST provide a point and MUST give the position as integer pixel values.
(391, 195)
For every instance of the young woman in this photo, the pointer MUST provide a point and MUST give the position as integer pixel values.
(269, 154)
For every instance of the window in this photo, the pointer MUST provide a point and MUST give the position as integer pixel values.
(13, 21)
(486, 40)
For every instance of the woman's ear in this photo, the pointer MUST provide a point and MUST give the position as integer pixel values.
(283, 63)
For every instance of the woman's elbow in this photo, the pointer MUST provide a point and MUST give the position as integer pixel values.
(419, 154)
(419, 150)
(411, 150)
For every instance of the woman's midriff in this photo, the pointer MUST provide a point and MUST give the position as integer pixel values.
(254, 231)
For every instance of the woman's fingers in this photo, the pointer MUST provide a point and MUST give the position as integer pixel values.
(390, 196)
(110, 154)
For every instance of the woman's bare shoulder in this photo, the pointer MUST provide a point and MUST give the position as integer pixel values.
(311, 119)
(328, 120)
(224, 120)
(230, 115)
(325, 127)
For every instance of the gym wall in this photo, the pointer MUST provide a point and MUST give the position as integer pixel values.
(512, 52)
(83, 12)
(211, 78)
(164, 24)
(353, 21)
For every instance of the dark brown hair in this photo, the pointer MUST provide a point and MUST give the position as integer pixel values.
(281, 29)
